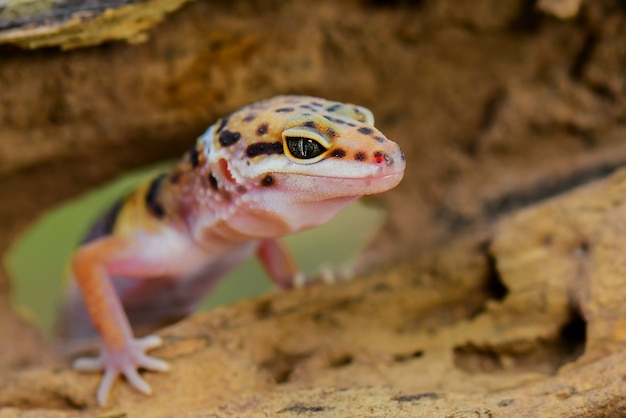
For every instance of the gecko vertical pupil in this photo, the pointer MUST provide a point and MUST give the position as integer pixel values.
(304, 148)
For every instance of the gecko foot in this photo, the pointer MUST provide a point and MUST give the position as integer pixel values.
(326, 274)
(125, 361)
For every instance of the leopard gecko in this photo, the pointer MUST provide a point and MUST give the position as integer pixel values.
(270, 169)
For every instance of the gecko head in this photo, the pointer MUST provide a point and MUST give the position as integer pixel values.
(302, 159)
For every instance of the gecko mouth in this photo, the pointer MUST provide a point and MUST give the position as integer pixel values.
(343, 186)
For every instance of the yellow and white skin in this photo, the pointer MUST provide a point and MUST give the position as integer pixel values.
(268, 170)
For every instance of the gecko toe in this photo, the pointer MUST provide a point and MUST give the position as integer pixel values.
(149, 342)
(153, 364)
(106, 383)
(125, 361)
(133, 377)
(88, 364)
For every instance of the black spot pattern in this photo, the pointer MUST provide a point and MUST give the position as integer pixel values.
(309, 124)
(152, 197)
(228, 138)
(379, 139)
(284, 110)
(249, 118)
(360, 156)
(175, 177)
(339, 121)
(262, 129)
(334, 107)
(338, 153)
(365, 130)
(105, 224)
(261, 148)
(222, 124)
(194, 156)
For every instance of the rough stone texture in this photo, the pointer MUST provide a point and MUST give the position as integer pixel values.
(497, 107)
(530, 322)
(72, 24)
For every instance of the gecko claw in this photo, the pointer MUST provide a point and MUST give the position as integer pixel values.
(125, 361)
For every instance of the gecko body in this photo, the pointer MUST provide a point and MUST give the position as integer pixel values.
(270, 169)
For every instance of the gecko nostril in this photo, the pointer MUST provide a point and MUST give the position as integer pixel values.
(378, 157)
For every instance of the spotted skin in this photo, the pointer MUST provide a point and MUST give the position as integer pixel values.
(267, 170)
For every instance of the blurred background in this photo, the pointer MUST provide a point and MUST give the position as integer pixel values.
(497, 105)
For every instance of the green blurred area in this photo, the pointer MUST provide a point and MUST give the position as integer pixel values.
(37, 261)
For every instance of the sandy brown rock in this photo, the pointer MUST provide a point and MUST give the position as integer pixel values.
(67, 24)
(564, 9)
(497, 106)
(530, 325)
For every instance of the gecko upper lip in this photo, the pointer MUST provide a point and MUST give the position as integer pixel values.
(374, 177)
(372, 185)
(355, 179)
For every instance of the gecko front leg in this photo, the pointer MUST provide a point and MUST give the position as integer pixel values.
(121, 353)
(279, 264)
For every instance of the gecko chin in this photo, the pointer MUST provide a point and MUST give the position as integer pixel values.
(272, 218)
(297, 202)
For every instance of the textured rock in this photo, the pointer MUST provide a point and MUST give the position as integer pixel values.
(68, 24)
(530, 324)
(497, 106)
(563, 9)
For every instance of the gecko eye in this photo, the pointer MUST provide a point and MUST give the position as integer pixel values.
(305, 144)
(304, 148)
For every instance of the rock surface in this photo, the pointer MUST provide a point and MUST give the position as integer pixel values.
(71, 24)
(489, 309)
(530, 322)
